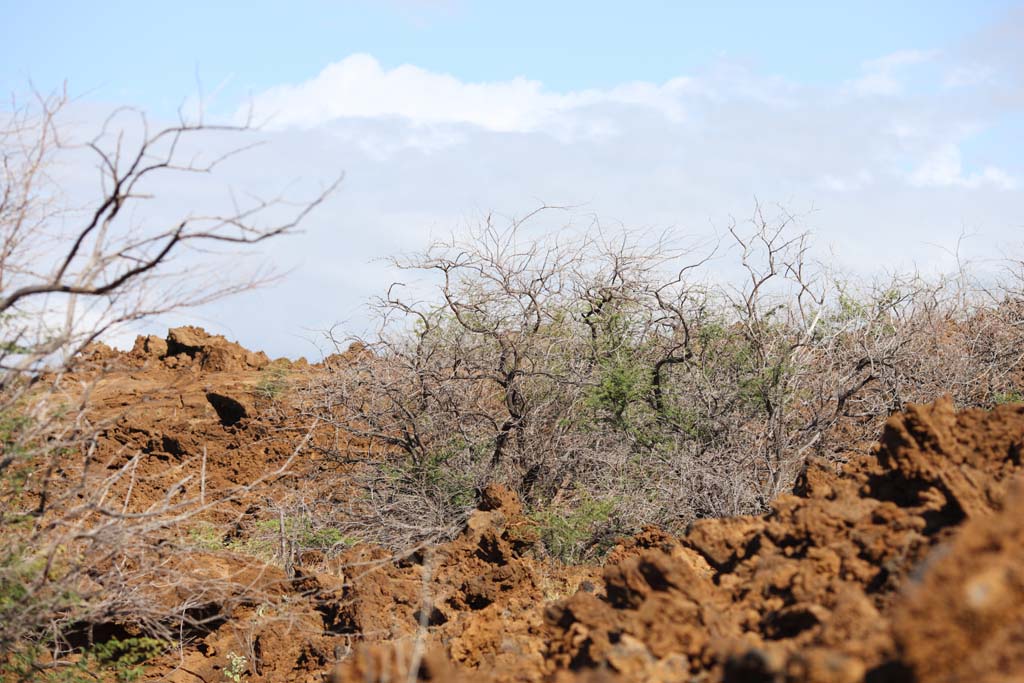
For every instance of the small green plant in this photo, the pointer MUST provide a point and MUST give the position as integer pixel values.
(578, 534)
(264, 541)
(236, 667)
(206, 536)
(305, 535)
(17, 570)
(125, 657)
(325, 539)
(622, 382)
(436, 475)
(1003, 397)
(273, 381)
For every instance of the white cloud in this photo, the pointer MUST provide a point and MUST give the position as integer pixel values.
(944, 168)
(846, 183)
(359, 87)
(425, 152)
(898, 59)
(882, 77)
(966, 76)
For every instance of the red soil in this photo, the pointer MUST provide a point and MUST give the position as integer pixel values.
(907, 565)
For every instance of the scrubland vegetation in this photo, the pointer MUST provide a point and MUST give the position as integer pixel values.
(611, 380)
(614, 382)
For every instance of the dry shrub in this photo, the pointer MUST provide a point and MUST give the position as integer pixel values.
(77, 554)
(609, 368)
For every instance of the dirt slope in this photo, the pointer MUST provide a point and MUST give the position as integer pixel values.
(908, 565)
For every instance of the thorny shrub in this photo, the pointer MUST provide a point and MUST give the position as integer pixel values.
(659, 385)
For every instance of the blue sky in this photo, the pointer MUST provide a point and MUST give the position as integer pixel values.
(149, 52)
(900, 124)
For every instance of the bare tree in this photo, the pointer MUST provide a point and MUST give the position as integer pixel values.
(61, 262)
(75, 549)
(614, 381)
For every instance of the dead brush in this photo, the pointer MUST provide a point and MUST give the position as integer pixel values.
(78, 554)
(611, 367)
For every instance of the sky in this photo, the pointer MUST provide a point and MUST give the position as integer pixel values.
(894, 128)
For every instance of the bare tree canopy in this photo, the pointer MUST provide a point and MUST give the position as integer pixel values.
(612, 373)
(70, 274)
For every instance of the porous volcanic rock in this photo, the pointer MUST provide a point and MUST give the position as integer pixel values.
(865, 575)
(900, 566)
(906, 566)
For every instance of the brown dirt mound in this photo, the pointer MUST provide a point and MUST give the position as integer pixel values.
(186, 402)
(871, 575)
(905, 566)
(962, 619)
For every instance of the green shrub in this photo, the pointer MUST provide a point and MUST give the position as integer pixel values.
(122, 659)
(273, 381)
(264, 540)
(578, 533)
(302, 532)
(1003, 397)
(560, 362)
(206, 536)
(437, 474)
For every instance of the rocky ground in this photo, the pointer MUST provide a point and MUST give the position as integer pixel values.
(905, 565)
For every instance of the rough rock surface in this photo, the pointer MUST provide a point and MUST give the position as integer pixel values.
(907, 565)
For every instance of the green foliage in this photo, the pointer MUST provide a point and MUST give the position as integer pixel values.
(853, 311)
(17, 571)
(25, 664)
(439, 474)
(125, 658)
(1003, 397)
(31, 583)
(590, 368)
(273, 381)
(265, 539)
(752, 365)
(304, 534)
(122, 659)
(578, 534)
(620, 391)
(326, 538)
(689, 421)
(621, 382)
(206, 536)
(9, 323)
(236, 667)
(16, 452)
(12, 439)
(850, 309)
(11, 425)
